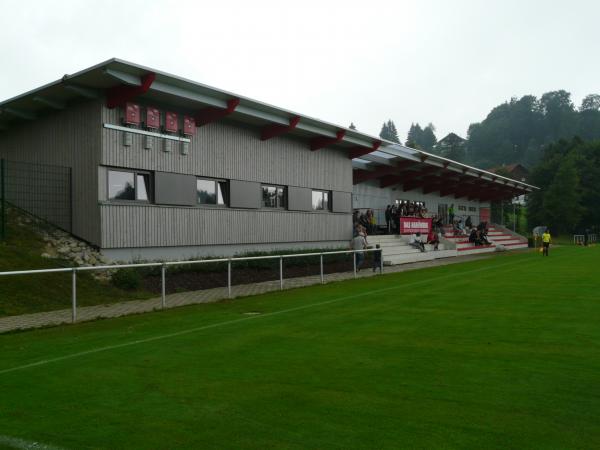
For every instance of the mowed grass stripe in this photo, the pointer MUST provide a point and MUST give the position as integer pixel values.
(490, 269)
(451, 357)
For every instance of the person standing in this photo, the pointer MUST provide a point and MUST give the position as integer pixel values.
(546, 239)
(377, 259)
(359, 243)
(451, 214)
(388, 218)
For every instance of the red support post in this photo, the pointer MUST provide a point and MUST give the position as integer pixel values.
(211, 114)
(275, 129)
(322, 141)
(119, 95)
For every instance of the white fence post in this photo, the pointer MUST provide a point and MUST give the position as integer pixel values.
(229, 278)
(281, 272)
(322, 277)
(354, 261)
(163, 286)
(74, 296)
(381, 261)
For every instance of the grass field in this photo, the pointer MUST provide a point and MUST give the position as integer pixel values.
(501, 353)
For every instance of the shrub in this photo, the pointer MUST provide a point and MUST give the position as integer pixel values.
(127, 279)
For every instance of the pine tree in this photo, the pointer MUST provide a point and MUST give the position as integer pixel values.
(389, 132)
(428, 139)
(415, 136)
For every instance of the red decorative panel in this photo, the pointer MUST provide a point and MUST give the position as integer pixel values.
(152, 118)
(171, 122)
(189, 125)
(132, 114)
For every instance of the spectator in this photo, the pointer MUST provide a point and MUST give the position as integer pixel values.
(388, 218)
(473, 236)
(372, 222)
(416, 242)
(358, 244)
(451, 214)
(461, 228)
(377, 259)
(469, 223)
(433, 239)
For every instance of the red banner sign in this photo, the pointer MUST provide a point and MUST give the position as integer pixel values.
(484, 214)
(411, 225)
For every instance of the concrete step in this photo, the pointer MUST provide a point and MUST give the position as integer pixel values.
(416, 257)
(476, 250)
(516, 245)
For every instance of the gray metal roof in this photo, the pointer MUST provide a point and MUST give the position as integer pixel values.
(171, 89)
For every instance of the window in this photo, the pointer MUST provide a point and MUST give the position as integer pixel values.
(212, 192)
(462, 208)
(472, 209)
(320, 201)
(129, 185)
(273, 197)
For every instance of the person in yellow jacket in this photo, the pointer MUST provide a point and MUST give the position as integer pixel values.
(546, 239)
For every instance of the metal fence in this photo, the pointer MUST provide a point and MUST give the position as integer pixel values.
(580, 239)
(42, 190)
(3, 215)
(277, 272)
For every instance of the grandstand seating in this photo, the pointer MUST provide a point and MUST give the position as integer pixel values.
(396, 249)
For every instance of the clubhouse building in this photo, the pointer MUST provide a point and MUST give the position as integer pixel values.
(161, 167)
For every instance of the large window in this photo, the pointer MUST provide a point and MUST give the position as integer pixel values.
(321, 201)
(129, 185)
(212, 192)
(273, 196)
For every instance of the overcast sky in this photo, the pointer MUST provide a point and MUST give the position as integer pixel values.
(446, 62)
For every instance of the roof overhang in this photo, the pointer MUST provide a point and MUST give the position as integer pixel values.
(117, 80)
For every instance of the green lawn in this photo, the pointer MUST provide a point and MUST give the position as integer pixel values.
(502, 353)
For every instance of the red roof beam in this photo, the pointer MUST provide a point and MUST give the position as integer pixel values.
(119, 95)
(357, 152)
(212, 114)
(275, 129)
(323, 141)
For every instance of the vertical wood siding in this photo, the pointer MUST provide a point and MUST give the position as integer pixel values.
(233, 151)
(69, 138)
(161, 226)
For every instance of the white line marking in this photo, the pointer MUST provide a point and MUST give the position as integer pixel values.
(22, 444)
(244, 319)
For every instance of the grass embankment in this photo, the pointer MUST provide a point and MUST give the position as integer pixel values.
(499, 353)
(24, 294)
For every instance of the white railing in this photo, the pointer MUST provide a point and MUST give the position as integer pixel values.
(579, 239)
(166, 264)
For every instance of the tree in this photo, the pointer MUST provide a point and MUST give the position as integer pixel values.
(569, 192)
(414, 136)
(389, 132)
(562, 199)
(590, 102)
(428, 139)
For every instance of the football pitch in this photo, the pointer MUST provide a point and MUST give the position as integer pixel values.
(497, 353)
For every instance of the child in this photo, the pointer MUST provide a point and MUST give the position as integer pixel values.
(377, 259)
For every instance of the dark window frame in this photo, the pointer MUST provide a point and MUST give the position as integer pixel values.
(216, 181)
(135, 172)
(278, 206)
(329, 201)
